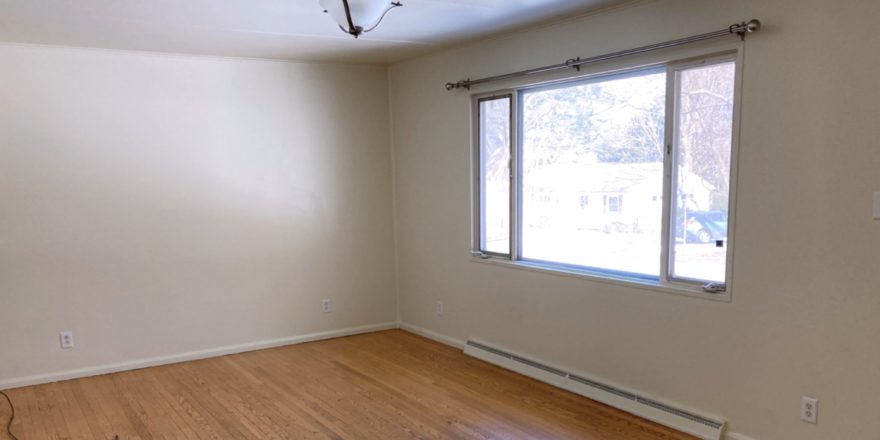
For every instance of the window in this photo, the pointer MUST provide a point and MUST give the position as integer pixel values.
(626, 175)
(704, 98)
(614, 203)
(494, 116)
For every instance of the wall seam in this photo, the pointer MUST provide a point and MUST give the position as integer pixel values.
(395, 242)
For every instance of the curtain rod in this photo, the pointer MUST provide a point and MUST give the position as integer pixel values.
(740, 29)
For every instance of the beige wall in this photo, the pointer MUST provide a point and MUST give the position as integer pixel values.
(804, 313)
(159, 204)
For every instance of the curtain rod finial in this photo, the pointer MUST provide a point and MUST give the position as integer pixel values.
(753, 25)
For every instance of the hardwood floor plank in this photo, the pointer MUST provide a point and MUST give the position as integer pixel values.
(389, 385)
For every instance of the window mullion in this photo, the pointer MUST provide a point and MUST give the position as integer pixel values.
(516, 178)
(666, 239)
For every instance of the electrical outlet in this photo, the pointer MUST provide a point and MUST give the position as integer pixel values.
(439, 308)
(809, 409)
(66, 339)
(325, 305)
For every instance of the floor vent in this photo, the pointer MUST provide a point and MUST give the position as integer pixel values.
(683, 420)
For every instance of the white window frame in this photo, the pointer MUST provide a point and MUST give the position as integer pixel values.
(479, 200)
(665, 282)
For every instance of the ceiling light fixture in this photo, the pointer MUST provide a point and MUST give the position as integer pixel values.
(356, 17)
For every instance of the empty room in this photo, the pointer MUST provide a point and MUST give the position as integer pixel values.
(439, 219)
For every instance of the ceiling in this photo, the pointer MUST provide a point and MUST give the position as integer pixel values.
(276, 29)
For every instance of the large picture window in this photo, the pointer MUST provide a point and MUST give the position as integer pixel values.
(625, 175)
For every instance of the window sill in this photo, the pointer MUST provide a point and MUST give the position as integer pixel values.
(622, 281)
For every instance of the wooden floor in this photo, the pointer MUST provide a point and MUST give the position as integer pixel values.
(386, 385)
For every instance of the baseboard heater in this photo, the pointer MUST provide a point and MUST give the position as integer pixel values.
(683, 420)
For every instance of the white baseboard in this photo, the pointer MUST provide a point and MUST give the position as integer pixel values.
(189, 356)
(430, 334)
(461, 345)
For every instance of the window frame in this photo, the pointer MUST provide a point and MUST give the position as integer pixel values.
(673, 80)
(666, 282)
(479, 199)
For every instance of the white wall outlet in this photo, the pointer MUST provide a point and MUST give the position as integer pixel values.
(439, 308)
(809, 409)
(877, 206)
(66, 339)
(325, 305)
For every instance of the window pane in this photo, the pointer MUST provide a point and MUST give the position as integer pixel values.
(704, 119)
(593, 173)
(495, 175)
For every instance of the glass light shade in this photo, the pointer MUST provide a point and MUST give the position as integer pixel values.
(364, 13)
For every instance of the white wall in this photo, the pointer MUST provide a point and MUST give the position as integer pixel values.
(159, 204)
(804, 315)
